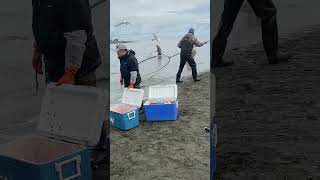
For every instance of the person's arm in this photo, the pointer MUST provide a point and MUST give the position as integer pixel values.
(133, 67)
(36, 58)
(179, 44)
(133, 77)
(197, 43)
(74, 52)
(76, 46)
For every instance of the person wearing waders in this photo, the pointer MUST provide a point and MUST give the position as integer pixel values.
(186, 45)
(159, 51)
(266, 11)
(129, 67)
(64, 40)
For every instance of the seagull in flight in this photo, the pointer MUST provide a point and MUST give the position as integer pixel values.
(126, 23)
(155, 37)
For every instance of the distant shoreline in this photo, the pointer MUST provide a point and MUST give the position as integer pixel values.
(116, 42)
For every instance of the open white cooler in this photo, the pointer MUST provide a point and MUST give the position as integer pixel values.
(161, 111)
(70, 122)
(125, 116)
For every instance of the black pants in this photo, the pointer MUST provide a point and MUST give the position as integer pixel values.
(264, 9)
(183, 60)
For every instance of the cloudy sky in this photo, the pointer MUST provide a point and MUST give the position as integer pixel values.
(166, 18)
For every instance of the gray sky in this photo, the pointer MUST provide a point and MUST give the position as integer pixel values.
(166, 18)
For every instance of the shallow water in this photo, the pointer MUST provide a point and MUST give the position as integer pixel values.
(150, 69)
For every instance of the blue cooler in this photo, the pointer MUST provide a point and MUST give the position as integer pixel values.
(125, 116)
(70, 122)
(161, 112)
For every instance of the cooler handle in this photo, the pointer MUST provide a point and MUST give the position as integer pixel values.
(77, 160)
(131, 117)
(112, 120)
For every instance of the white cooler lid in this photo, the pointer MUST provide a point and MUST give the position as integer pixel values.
(73, 113)
(132, 97)
(165, 91)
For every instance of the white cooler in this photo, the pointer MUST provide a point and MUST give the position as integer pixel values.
(70, 122)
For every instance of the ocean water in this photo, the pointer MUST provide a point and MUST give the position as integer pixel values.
(156, 71)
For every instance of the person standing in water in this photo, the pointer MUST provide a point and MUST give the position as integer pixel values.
(186, 45)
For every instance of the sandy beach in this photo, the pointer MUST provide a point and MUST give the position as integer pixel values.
(268, 115)
(167, 150)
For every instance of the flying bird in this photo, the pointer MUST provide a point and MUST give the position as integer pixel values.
(126, 23)
(155, 37)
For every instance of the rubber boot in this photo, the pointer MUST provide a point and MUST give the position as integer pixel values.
(277, 57)
(224, 63)
(195, 75)
(178, 78)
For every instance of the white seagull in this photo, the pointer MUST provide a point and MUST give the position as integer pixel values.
(155, 37)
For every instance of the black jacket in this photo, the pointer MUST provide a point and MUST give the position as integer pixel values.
(52, 18)
(129, 63)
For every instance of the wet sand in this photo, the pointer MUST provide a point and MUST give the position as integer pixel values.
(268, 115)
(167, 150)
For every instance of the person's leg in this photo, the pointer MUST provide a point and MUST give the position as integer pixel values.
(267, 12)
(229, 15)
(193, 66)
(182, 63)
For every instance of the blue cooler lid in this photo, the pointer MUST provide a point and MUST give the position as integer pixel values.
(165, 91)
(73, 113)
(132, 97)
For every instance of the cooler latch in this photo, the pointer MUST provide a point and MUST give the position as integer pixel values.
(59, 168)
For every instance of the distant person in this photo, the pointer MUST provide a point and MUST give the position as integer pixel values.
(186, 45)
(159, 50)
(266, 11)
(129, 67)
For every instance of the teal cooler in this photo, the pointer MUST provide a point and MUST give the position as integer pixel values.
(125, 116)
(59, 149)
(162, 112)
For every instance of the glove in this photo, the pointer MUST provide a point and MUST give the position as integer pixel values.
(69, 75)
(131, 86)
(36, 60)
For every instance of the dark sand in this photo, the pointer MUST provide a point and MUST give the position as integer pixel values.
(268, 115)
(167, 150)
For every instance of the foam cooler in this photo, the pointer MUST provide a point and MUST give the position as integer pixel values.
(70, 122)
(125, 116)
(161, 111)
